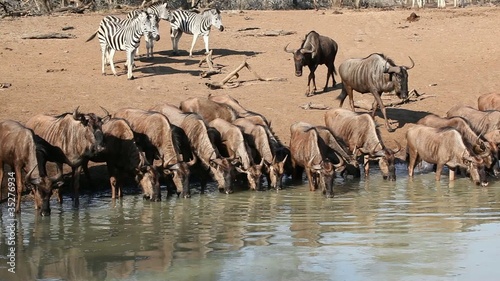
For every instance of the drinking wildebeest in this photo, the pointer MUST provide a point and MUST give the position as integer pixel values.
(375, 74)
(442, 146)
(315, 50)
(489, 101)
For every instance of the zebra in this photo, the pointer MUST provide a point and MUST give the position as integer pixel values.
(124, 36)
(159, 10)
(182, 21)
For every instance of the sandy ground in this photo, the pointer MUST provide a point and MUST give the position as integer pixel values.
(455, 53)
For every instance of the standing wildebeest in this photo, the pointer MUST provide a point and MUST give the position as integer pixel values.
(359, 132)
(309, 152)
(483, 148)
(160, 142)
(208, 110)
(375, 74)
(21, 149)
(481, 122)
(123, 158)
(489, 101)
(233, 144)
(200, 138)
(78, 136)
(315, 50)
(442, 146)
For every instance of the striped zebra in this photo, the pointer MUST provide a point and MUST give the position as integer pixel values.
(182, 21)
(124, 36)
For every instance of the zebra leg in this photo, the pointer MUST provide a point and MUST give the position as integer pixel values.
(175, 35)
(195, 37)
(111, 63)
(149, 47)
(130, 60)
(104, 59)
(205, 39)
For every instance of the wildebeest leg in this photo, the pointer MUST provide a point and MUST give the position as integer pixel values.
(20, 187)
(112, 182)
(310, 179)
(439, 169)
(366, 165)
(1, 179)
(85, 167)
(75, 176)
(382, 108)
(451, 173)
(59, 168)
(330, 73)
(313, 78)
(412, 162)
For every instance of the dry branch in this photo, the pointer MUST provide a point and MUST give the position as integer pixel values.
(311, 105)
(52, 35)
(234, 75)
(209, 61)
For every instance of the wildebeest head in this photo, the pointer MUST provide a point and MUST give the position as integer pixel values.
(254, 173)
(93, 124)
(216, 19)
(42, 191)
(399, 76)
(276, 172)
(476, 168)
(327, 176)
(300, 57)
(225, 168)
(148, 179)
(387, 162)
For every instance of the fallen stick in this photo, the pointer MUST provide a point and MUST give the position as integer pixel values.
(413, 96)
(53, 35)
(209, 61)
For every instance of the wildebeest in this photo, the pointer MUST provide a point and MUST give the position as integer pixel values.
(483, 148)
(442, 146)
(200, 137)
(359, 132)
(22, 150)
(489, 101)
(123, 158)
(375, 74)
(309, 152)
(481, 122)
(208, 110)
(157, 139)
(233, 145)
(77, 135)
(263, 150)
(315, 50)
(241, 112)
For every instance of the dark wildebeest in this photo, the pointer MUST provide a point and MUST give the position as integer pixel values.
(200, 137)
(489, 101)
(442, 146)
(231, 143)
(160, 142)
(359, 132)
(263, 150)
(375, 74)
(77, 135)
(483, 148)
(309, 152)
(22, 150)
(208, 110)
(481, 122)
(123, 158)
(315, 50)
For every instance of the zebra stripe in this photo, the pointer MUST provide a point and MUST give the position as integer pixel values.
(124, 35)
(182, 21)
(161, 12)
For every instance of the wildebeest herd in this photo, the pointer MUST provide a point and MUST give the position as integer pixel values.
(218, 139)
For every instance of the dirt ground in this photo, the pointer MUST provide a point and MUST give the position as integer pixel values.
(455, 53)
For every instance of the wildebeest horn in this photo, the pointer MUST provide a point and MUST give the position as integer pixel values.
(398, 149)
(193, 161)
(28, 176)
(288, 51)
(412, 64)
(75, 113)
(284, 159)
(106, 113)
(340, 164)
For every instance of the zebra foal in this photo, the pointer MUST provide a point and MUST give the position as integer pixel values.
(124, 35)
(182, 21)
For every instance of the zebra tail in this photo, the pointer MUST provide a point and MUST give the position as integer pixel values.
(92, 36)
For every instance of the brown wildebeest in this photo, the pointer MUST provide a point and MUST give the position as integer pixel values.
(375, 74)
(241, 112)
(309, 152)
(359, 132)
(443, 146)
(159, 141)
(123, 158)
(315, 50)
(77, 135)
(489, 101)
(231, 142)
(22, 150)
(200, 137)
(481, 122)
(208, 109)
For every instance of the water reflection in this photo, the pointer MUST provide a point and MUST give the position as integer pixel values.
(373, 229)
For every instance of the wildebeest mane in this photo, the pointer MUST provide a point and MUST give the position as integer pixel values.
(386, 58)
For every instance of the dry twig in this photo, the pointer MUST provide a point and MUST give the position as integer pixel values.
(53, 35)
(413, 96)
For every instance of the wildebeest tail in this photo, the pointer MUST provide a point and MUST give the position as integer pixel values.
(342, 95)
